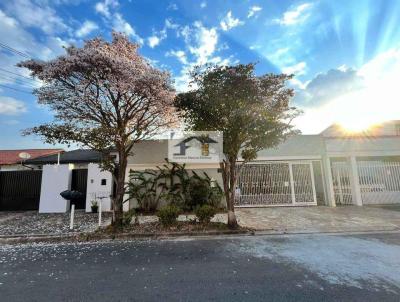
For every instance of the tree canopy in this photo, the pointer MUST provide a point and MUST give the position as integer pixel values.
(104, 96)
(253, 112)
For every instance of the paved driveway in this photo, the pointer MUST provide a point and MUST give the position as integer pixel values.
(320, 219)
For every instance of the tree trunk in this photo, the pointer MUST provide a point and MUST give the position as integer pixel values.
(120, 191)
(229, 181)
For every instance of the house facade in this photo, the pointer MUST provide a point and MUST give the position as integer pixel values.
(335, 167)
(332, 168)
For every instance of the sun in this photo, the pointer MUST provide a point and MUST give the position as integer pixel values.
(356, 125)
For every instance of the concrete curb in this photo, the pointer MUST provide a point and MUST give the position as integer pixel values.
(87, 237)
(90, 237)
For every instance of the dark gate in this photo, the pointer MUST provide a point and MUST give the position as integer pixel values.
(79, 183)
(20, 190)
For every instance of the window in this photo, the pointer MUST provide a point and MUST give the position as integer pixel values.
(104, 182)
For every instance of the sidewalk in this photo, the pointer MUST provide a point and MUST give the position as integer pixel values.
(320, 219)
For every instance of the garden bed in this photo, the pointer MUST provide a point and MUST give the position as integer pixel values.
(180, 227)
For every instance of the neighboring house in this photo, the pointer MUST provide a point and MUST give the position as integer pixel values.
(10, 160)
(332, 168)
(73, 170)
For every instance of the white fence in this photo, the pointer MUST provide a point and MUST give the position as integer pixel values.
(276, 184)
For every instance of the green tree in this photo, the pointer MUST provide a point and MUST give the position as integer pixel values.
(253, 112)
(105, 96)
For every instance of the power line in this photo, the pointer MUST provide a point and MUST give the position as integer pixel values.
(17, 74)
(18, 81)
(16, 89)
(15, 51)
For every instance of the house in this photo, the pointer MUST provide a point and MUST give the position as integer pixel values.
(12, 160)
(335, 167)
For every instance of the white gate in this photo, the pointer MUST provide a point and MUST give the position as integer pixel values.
(341, 183)
(276, 184)
(379, 182)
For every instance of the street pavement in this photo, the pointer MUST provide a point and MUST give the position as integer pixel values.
(313, 267)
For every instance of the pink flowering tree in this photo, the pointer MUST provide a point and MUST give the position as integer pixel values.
(104, 96)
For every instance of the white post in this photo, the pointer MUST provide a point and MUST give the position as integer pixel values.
(71, 223)
(354, 181)
(100, 212)
(292, 183)
(329, 181)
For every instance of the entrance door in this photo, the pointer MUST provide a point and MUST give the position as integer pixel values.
(79, 183)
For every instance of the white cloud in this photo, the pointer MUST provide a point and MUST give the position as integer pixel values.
(170, 24)
(206, 40)
(86, 28)
(201, 47)
(253, 10)
(203, 4)
(121, 25)
(229, 22)
(353, 97)
(11, 106)
(179, 54)
(155, 39)
(298, 69)
(21, 40)
(296, 15)
(172, 6)
(37, 15)
(328, 86)
(103, 8)
(116, 20)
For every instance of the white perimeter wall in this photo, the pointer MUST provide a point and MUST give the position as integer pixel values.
(96, 189)
(55, 179)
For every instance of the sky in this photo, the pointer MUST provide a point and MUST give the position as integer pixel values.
(345, 54)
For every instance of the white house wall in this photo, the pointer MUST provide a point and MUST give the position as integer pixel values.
(367, 146)
(95, 189)
(55, 179)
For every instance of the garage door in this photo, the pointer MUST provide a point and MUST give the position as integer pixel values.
(275, 184)
(20, 190)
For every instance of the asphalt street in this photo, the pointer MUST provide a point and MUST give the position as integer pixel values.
(257, 268)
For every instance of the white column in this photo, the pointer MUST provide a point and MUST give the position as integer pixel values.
(330, 193)
(354, 181)
(292, 183)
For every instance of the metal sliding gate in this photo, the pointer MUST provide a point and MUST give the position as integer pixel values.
(20, 190)
(341, 183)
(276, 184)
(379, 181)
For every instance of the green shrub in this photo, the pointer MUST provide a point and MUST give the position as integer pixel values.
(127, 217)
(215, 198)
(205, 213)
(199, 192)
(168, 214)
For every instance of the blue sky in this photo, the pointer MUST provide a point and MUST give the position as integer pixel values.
(345, 54)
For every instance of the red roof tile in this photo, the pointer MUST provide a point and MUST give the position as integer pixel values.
(9, 157)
